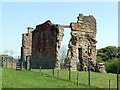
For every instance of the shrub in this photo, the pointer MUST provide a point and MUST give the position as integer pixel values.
(111, 65)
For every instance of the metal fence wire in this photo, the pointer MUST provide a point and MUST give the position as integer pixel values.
(47, 68)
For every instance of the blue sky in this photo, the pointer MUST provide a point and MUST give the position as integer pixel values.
(16, 17)
(119, 23)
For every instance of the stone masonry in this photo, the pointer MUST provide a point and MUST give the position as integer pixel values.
(41, 46)
(26, 47)
(82, 45)
(8, 62)
(46, 42)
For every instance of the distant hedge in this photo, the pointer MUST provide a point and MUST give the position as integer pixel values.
(111, 65)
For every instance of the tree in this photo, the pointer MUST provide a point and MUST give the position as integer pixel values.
(111, 65)
(63, 55)
(110, 56)
(11, 52)
(107, 53)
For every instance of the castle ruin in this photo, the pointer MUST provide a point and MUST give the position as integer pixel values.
(43, 44)
(82, 45)
(46, 42)
(26, 47)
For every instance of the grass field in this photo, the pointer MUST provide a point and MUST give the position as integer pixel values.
(98, 80)
(44, 79)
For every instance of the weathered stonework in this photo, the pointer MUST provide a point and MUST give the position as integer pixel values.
(8, 62)
(82, 45)
(26, 47)
(100, 67)
(41, 47)
(46, 41)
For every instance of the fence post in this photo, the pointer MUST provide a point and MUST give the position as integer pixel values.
(117, 77)
(2, 61)
(69, 71)
(53, 70)
(6, 62)
(58, 73)
(12, 63)
(77, 77)
(40, 70)
(89, 73)
(109, 84)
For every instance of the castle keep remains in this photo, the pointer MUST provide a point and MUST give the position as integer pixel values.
(41, 46)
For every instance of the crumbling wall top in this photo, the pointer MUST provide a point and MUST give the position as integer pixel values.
(30, 29)
(48, 25)
(84, 24)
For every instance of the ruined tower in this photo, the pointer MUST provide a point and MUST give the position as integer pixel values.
(46, 42)
(26, 47)
(82, 45)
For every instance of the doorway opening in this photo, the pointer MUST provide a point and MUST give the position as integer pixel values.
(79, 59)
(80, 54)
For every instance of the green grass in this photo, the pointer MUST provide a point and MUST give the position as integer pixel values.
(99, 80)
(44, 79)
(31, 79)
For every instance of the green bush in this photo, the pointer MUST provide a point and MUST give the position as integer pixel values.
(111, 65)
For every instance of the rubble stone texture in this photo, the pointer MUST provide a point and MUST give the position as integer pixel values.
(46, 42)
(100, 68)
(26, 47)
(43, 45)
(82, 45)
(8, 62)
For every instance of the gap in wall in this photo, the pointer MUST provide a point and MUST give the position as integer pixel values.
(64, 44)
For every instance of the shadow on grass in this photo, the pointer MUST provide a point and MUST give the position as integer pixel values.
(67, 80)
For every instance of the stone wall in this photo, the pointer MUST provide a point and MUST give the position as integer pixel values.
(82, 45)
(43, 44)
(46, 42)
(8, 62)
(26, 47)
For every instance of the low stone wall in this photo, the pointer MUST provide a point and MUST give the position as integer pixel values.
(8, 62)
